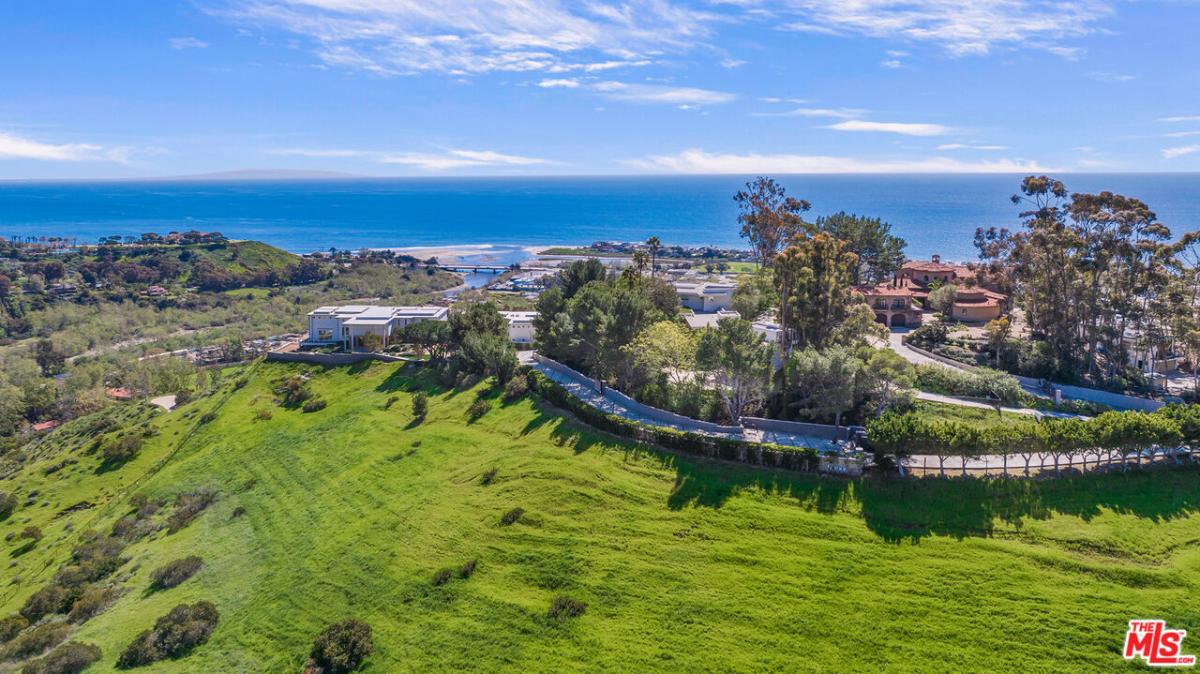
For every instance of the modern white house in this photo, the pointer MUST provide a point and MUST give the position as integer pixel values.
(520, 326)
(765, 325)
(705, 297)
(347, 325)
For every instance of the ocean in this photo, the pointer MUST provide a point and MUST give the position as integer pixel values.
(934, 213)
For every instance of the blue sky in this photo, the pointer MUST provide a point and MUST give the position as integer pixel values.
(501, 87)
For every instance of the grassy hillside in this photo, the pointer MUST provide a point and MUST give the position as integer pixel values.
(243, 257)
(683, 565)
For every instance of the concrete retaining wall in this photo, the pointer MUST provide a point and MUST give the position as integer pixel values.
(797, 428)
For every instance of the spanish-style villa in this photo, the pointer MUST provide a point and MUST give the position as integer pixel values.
(347, 325)
(706, 296)
(896, 302)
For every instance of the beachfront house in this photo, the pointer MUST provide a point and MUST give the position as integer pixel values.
(520, 326)
(705, 297)
(347, 325)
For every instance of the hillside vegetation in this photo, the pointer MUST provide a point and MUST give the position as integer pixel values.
(649, 561)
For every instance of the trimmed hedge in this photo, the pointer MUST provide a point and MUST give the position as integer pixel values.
(713, 447)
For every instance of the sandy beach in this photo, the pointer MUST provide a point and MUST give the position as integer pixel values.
(476, 253)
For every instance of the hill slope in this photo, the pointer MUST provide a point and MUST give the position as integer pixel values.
(685, 565)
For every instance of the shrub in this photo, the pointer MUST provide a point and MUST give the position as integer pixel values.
(70, 658)
(387, 404)
(173, 573)
(36, 641)
(237, 512)
(121, 448)
(50, 599)
(173, 635)
(342, 647)
(515, 388)
(208, 417)
(420, 406)
(8, 505)
(91, 604)
(467, 569)
(188, 505)
(314, 405)
(293, 391)
(488, 477)
(183, 397)
(442, 576)
(566, 607)
(32, 533)
(512, 516)
(11, 627)
(480, 407)
(263, 414)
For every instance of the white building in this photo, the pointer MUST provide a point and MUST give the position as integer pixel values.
(347, 325)
(765, 325)
(705, 297)
(520, 326)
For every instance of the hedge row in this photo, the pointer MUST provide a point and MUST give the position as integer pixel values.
(713, 447)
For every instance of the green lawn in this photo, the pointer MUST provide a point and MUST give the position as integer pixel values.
(974, 416)
(684, 565)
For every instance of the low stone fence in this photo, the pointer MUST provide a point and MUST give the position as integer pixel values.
(823, 431)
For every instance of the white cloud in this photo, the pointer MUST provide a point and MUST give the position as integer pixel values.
(836, 113)
(187, 43)
(394, 37)
(699, 161)
(1173, 152)
(891, 127)
(1110, 78)
(559, 83)
(653, 93)
(1180, 118)
(964, 146)
(1181, 134)
(732, 63)
(892, 63)
(17, 147)
(972, 27)
(428, 161)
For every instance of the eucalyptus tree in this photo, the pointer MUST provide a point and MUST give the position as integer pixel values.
(880, 253)
(769, 217)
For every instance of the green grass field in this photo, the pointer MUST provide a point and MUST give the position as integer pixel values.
(684, 565)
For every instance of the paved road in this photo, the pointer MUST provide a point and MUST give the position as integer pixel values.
(588, 394)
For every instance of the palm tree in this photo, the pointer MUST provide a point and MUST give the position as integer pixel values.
(654, 245)
(640, 260)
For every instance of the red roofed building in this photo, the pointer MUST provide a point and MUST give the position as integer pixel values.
(891, 301)
(119, 393)
(43, 426)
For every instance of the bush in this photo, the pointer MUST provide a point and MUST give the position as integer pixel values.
(566, 607)
(342, 647)
(480, 407)
(467, 569)
(982, 383)
(293, 391)
(420, 406)
(263, 415)
(314, 405)
(208, 417)
(36, 641)
(121, 448)
(515, 388)
(188, 505)
(183, 397)
(173, 635)
(237, 512)
(488, 477)
(173, 573)
(31, 533)
(8, 505)
(70, 658)
(512, 516)
(387, 404)
(49, 600)
(91, 604)
(11, 626)
(442, 576)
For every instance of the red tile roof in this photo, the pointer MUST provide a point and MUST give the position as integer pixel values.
(46, 426)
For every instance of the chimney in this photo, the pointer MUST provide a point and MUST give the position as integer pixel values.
(937, 258)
